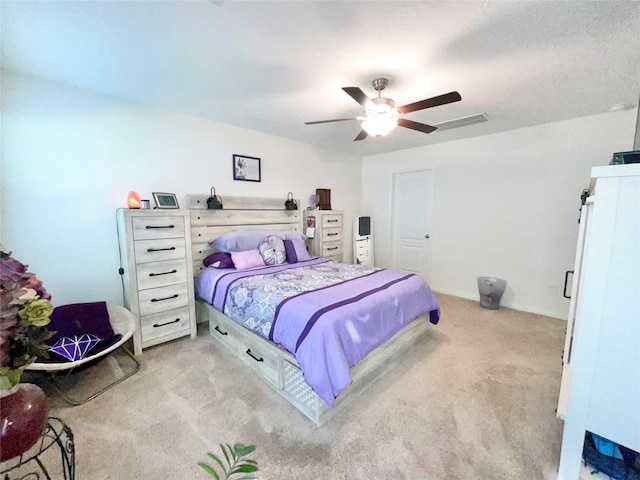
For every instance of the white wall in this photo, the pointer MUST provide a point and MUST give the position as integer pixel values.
(69, 158)
(506, 205)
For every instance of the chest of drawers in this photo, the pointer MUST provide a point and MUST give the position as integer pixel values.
(157, 274)
(327, 239)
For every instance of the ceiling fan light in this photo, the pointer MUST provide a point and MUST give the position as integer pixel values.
(379, 126)
(382, 105)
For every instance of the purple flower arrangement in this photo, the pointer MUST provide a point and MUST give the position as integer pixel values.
(24, 315)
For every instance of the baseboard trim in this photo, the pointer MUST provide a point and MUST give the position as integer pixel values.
(512, 307)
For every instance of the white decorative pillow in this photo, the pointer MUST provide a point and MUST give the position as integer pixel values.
(272, 250)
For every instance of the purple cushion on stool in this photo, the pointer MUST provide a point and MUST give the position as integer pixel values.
(79, 318)
(75, 348)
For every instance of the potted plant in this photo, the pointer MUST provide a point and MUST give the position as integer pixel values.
(236, 464)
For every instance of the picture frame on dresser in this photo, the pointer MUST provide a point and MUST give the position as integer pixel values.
(165, 200)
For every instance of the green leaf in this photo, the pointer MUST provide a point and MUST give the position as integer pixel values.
(246, 468)
(224, 450)
(248, 460)
(209, 470)
(243, 450)
(233, 453)
(219, 462)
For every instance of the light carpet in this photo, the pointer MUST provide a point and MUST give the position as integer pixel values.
(475, 401)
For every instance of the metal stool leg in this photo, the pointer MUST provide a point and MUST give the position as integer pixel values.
(75, 402)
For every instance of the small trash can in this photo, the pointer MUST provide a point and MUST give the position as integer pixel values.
(491, 290)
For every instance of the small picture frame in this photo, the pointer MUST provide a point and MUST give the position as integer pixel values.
(165, 200)
(246, 168)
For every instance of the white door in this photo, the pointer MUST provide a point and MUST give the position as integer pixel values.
(412, 221)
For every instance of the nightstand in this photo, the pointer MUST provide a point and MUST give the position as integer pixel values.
(327, 239)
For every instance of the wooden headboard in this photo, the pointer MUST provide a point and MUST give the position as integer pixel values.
(239, 213)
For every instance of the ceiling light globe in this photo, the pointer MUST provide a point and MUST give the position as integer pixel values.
(379, 126)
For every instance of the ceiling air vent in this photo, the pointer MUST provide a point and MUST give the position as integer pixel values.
(462, 122)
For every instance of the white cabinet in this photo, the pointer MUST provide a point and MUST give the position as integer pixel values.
(363, 240)
(600, 389)
(363, 251)
(157, 270)
(327, 233)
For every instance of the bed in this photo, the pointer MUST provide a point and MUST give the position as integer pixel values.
(319, 332)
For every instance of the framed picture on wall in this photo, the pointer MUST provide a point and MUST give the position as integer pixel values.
(246, 168)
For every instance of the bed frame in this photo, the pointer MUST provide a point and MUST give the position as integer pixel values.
(277, 367)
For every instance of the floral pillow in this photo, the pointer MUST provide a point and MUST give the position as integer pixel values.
(272, 250)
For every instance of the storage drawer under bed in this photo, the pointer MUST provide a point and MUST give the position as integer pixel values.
(248, 347)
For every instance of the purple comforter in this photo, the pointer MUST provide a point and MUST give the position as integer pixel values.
(328, 329)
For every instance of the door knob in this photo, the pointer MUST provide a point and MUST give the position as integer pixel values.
(427, 236)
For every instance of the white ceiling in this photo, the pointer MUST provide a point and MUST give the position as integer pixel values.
(272, 65)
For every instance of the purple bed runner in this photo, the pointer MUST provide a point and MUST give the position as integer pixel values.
(329, 315)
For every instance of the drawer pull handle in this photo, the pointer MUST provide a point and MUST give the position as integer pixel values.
(149, 227)
(566, 280)
(332, 221)
(165, 298)
(220, 331)
(253, 356)
(332, 248)
(156, 325)
(331, 234)
(163, 273)
(160, 249)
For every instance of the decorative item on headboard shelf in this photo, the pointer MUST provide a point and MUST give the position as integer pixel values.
(213, 202)
(324, 198)
(313, 202)
(291, 203)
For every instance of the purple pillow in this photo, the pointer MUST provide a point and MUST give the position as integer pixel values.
(296, 251)
(78, 319)
(222, 259)
(75, 348)
(241, 240)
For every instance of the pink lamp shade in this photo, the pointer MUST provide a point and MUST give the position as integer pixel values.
(133, 200)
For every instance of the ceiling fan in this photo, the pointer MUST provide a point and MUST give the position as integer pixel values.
(380, 114)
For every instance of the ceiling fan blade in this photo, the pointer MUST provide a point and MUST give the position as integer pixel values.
(361, 136)
(329, 121)
(431, 102)
(421, 127)
(358, 95)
